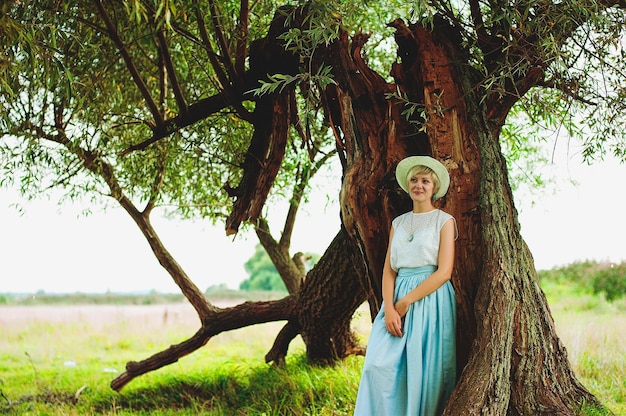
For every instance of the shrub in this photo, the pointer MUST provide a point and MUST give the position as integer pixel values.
(580, 273)
(611, 280)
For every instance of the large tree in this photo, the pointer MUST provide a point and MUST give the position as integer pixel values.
(211, 106)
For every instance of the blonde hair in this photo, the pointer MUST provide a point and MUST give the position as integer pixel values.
(421, 169)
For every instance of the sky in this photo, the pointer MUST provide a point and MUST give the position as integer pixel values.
(57, 250)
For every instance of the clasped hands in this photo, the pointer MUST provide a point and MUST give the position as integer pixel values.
(394, 315)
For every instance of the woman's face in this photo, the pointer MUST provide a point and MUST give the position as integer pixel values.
(421, 187)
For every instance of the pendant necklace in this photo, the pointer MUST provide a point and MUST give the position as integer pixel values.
(411, 229)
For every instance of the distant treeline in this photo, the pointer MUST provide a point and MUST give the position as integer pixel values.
(214, 294)
(599, 278)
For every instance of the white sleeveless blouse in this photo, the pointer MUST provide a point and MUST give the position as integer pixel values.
(416, 238)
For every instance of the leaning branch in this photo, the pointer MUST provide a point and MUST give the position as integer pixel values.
(213, 323)
(161, 359)
(95, 164)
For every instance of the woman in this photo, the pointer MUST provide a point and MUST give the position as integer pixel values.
(410, 364)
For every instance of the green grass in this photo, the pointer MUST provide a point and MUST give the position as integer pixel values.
(64, 368)
(245, 388)
(63, 365)
(594, 333)
(226, 385)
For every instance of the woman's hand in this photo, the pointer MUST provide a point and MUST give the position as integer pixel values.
(393, 322)
(402, 307)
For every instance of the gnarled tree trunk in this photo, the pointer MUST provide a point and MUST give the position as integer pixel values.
(505, 328)
(330, 296)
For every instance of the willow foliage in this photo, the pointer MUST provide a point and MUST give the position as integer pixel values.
(93, 76)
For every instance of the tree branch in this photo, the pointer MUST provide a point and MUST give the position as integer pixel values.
(171, 73)
(221, 40)
(162, 68)
(157, 184)
(291, 275)
(214, 322)
(488, 44)
(263, 159)
(302, 181)
(279, 349)
(294, 204)
(206, 42)
(161, 359)
(242, 39)
(564, 88)
(166, 59)
(498, 108)
(95, 164)
(217, 67)
(134, 72)
(196, 112)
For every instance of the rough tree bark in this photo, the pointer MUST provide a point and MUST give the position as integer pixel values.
(331, 293)
(371, 138)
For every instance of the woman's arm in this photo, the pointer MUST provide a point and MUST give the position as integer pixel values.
(393, 321)
(440, 276)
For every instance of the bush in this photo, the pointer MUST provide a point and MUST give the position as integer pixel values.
(588, 277)
(580, 273)
(612, 281)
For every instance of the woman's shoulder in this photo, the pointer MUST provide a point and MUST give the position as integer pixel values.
(399, 219)
(403, 215)
(444, 217)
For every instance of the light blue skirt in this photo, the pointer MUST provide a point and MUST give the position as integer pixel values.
(415, 374)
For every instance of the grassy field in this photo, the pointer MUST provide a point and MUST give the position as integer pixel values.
(59, 360)
(594, 333)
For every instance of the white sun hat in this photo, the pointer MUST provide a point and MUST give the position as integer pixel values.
(406, 164)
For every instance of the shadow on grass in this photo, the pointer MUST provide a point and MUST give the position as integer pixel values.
(297, 389)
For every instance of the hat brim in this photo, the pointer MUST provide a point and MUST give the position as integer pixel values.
(406, 164)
